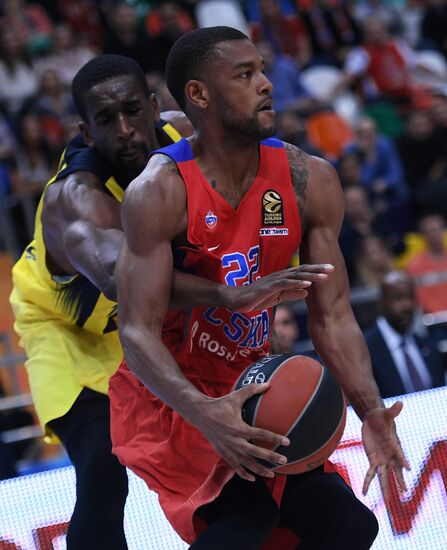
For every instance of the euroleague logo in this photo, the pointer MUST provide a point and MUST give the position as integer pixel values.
(272, 208)
(211, 219)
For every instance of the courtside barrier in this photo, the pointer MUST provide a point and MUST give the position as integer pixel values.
(35, 509)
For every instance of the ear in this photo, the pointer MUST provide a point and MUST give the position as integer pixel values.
(198, 93)
(155, 108)
(84, 129)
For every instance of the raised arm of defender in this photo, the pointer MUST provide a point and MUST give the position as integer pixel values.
(83, 234)
(332, 326)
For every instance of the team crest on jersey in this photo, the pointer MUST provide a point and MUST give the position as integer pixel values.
(211, 219)
(272, 208)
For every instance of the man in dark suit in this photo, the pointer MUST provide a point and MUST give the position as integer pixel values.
(402, 362)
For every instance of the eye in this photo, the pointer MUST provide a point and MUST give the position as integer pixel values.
(103, 119)
(246, 74)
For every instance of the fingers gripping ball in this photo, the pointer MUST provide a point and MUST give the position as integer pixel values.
(304, 403)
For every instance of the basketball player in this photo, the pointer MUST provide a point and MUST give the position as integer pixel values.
(64, 286)
(232, 204)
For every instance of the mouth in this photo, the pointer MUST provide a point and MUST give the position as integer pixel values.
(130, 154)
(266, 106)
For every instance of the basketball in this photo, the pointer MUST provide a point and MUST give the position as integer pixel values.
(304, 403)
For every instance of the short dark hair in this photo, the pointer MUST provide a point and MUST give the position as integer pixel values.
(191, 54)
(99, 69)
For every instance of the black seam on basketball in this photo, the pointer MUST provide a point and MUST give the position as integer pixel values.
(309, 401)
(313, 430)
(268, 364)
(248, 412)
(303, 459)
(281, 365)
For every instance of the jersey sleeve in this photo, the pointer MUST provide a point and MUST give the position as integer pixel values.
(79, 157)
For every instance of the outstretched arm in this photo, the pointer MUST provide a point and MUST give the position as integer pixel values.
(82, 230)
(332, 325)
(83, 234)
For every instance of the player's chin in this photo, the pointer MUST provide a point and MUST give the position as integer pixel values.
(134, 162)
(266, 120)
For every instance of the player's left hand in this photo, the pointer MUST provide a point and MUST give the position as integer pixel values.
(382, 446)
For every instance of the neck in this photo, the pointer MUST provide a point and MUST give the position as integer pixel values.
(234, 162)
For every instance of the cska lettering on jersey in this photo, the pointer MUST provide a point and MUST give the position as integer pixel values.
(230, 334)
(247, 333)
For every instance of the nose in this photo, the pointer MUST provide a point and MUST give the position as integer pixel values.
(124, 129)
(265, 86)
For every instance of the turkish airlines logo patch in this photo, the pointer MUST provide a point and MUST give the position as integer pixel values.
(211, 219)
(272, 208)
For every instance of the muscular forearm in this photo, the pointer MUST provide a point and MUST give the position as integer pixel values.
(157, 369)
(94, 255)
(342, 347)
(192, 291)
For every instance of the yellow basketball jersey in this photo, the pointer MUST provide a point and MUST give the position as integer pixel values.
(66, 325)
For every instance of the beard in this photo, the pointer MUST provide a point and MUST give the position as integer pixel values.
(246, 129)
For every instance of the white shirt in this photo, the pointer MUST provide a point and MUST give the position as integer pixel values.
(393, 341)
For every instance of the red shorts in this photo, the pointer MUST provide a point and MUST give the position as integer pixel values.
(172, 456)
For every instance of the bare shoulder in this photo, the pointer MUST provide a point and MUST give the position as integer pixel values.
(314, 180)
(180, 121)
(156, 198)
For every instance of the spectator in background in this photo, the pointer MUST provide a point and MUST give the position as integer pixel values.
(65, 55)
(125, 35)
(410, 21)
(53, 106)
(402, 362)
(381, 169)
(164, 25)
(429, 267)
(438, 113)
(285, 329)
(358, 224)
(331, 29)
(380, 68)
(34, 157)
(423, 151)
(360, 217)
(84, 20)
(29, 22)
(434, 25)
(18, 79)
(283, 72)
(373, 262)
(7, 140)
(291, 127)
(384, 11)
(285, 34)
(381, 174)
(349, 168)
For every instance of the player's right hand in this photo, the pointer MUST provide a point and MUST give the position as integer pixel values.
(282, 286)
(220, 420)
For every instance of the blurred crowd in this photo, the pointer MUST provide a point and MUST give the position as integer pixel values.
(362, 83)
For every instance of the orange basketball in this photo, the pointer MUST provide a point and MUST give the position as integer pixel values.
(304, 403)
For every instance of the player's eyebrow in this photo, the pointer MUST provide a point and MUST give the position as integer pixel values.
(248, 65)
(243, 65)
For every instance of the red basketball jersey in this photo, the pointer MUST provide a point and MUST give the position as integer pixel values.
(226, 245)
(234, 246)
